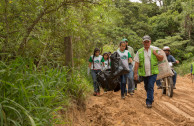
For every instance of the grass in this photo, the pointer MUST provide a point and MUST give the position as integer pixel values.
(29, 96)
(184, 67)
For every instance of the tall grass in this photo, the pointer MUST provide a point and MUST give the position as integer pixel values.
(29, 96)
(184, 67)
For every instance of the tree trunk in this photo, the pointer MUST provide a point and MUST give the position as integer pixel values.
(68, 52)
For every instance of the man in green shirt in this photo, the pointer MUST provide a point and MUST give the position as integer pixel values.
(146, 63)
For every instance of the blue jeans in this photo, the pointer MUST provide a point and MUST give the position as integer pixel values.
(149, 87)
(174, 78)
(123, 83)
(158, 83)
(131, 83)
(95, 83)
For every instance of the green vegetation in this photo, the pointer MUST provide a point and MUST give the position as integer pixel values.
(30, 96)
(185, 67)
(38, 76)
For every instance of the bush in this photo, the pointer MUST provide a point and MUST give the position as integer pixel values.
(29, 96)
(185, 67)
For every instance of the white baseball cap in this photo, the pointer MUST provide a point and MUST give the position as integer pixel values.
(166, 48)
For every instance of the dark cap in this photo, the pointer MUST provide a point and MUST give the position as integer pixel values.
(146, 38)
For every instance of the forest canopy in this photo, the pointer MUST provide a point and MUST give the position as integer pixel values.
(36, 29)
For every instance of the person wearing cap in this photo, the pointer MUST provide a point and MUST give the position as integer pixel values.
(130, 81)
(170, 58)
(146, 64)
(129, 48)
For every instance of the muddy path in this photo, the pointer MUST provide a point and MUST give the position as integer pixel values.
(110, 110)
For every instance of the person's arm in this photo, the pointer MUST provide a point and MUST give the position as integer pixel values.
(132, 54)
(174, 60)
(177, 61)
(136, 59)
(129, 58)
(102, 60)
(103, 64)
(158, 56)
(135, 70)
(90, 62)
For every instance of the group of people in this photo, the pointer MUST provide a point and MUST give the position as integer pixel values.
(144, 64)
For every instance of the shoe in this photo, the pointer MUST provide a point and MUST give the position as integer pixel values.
(174, 87)
(94, 93)
(149, 105)
(131, 93)
(98, 93)
(123, 97)
(159, 87)
(105, 92)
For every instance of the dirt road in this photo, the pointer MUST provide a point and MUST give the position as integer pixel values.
(110, 110)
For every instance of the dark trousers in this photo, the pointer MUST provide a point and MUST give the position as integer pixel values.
(95, 83)
(149, 87)
(123, 83)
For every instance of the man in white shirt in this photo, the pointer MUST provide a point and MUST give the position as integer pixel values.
(146, 63)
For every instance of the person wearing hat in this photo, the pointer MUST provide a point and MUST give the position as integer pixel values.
(129, 48)
(130, 81)
(146, 65)
(170, 58)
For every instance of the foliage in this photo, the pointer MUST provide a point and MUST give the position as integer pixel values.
(176, 43)
(166, 24)
(28, 96)
(185, 67)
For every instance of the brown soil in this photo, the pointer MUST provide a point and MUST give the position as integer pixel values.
(110, 110)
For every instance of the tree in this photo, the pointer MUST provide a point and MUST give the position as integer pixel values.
(179, 47)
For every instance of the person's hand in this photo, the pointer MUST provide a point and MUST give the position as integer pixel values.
(154, 52)
(135, 77)
(177, 61)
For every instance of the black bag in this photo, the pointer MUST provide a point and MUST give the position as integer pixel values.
(117, 66)
(111, 77)
(112, 82)
(106, 80)
(101, 79)
(118, 86)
